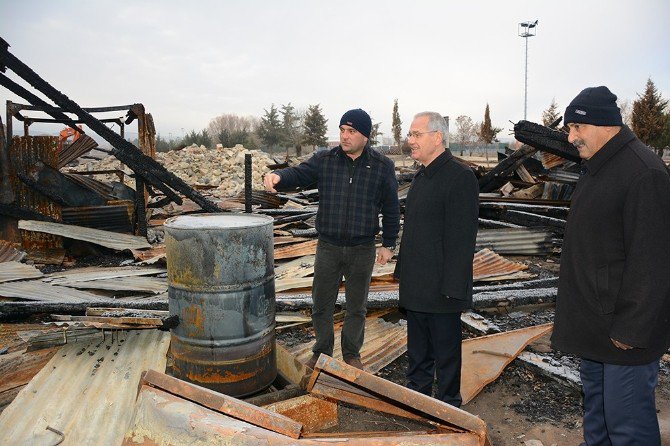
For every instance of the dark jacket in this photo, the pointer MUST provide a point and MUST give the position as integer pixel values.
(350, 197)
(615, 265)
(438, 240)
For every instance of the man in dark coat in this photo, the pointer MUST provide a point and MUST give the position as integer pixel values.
(435, 260)
(613, 304)
(355, 184)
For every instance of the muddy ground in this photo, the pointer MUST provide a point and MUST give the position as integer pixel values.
(521, 405)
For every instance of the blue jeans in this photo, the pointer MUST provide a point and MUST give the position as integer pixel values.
(620, 404)
(332, 262)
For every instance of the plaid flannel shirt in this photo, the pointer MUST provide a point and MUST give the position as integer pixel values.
(349, 205)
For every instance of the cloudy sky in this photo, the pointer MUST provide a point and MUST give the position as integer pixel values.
(188, 62)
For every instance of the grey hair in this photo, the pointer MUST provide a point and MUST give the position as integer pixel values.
(436, 123)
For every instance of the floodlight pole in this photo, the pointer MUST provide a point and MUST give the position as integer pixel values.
(526, 30)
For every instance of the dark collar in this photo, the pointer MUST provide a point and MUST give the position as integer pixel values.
(610, 149)
(438, 162)
(365, 155)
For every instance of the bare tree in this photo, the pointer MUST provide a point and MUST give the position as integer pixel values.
(466, 132)
(626, 108)
(229, 129)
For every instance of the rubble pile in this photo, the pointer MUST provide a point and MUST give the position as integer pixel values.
(221, 169)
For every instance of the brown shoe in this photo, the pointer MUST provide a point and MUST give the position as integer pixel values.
(311, 362)
(355, 362)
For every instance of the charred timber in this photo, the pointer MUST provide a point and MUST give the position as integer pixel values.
(499, 174)
(126, 152)
(546, 139)
(19, 310)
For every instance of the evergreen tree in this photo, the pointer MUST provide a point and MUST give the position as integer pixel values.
(395, 125)
(270, 128)
(551, 114)
(487, 133)
(198, 138)
(315, 127)
(649, 119)
(374, 134)
(291, 128)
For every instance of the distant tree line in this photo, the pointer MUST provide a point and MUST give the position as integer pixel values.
(285, 127)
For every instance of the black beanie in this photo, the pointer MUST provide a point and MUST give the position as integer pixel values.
(595, 106)
(358, 119)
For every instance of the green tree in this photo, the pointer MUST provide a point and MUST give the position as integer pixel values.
(314, 127)
(396, 123)
(198, 138)
(373, 140)
(270, 128)
(649, 118)
(292, 128)
(551, 114)
(487, 133)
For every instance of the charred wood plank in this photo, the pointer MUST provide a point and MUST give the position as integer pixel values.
(19, 310)
(498, 175)
(535, 220)
(546, 139)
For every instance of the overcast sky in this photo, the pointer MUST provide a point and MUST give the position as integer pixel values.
(188, 62)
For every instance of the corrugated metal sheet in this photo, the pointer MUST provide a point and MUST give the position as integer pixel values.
(102, 189)
(153, 285)
(107, 239)
(10, 254)
(114, 218)
(87, 391)
(489, 265)
(384, 343)
(25, 152)
(73, 151)
(40, 291)
(515, 241)
(17, 271)
(96, 272)
(150, 256)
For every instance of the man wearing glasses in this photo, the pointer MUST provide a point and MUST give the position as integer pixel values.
(435, 261)
(355, 185)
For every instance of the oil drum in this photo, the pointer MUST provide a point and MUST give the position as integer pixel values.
(221, 285)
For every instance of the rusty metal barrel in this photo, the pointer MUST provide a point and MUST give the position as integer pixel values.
(221, 285)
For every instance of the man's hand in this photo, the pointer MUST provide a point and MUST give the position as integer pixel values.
(383, 255)
(621, 345)
(270, 180)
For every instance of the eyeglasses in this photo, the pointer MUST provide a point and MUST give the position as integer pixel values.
(417, 134)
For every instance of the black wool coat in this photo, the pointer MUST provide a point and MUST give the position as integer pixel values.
(438, 241)
(615, 262)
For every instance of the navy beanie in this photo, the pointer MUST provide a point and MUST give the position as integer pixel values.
(595, 106)
(358, 119)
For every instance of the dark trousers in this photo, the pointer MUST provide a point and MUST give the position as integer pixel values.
(354, 263)
(434, 349)
(619, 404)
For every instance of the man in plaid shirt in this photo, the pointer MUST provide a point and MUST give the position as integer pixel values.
(355, 185)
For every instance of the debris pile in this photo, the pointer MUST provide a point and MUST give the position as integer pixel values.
(220, 170)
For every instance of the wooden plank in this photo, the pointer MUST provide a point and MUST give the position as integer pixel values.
(223, 403)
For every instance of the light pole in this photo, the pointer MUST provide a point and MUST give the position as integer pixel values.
(526, 30)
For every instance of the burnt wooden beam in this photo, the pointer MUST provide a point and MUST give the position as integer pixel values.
(534, 220)
(126, 152)
(546, 139)
(19, 310)
(496, 176)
